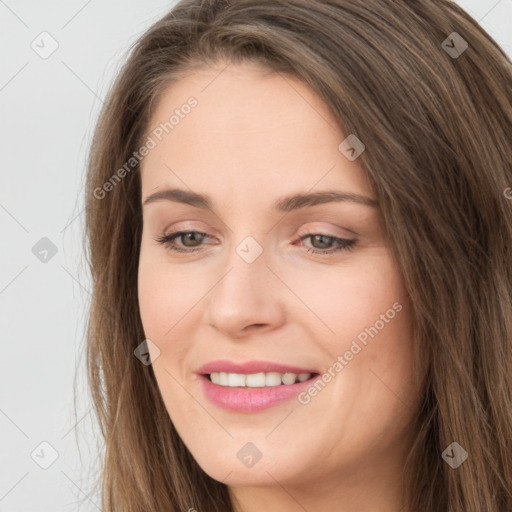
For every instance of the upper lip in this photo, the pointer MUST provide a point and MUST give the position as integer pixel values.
(250, 367)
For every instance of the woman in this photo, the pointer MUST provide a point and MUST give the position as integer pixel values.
(300, 226)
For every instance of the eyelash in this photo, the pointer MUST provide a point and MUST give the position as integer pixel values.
(343, 243)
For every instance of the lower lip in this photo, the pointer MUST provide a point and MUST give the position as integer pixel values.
(251, 399)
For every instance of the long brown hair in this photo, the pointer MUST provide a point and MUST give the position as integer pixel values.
(437, 128)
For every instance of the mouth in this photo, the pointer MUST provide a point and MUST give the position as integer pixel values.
(253, 386)
(258, 380)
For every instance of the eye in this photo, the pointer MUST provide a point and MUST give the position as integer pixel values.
(326, 244)
(194, 238)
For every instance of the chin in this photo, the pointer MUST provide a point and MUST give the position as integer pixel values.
(231, 469)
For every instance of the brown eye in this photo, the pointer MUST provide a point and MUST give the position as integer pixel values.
(326, 244)
(190, 241)
(325, 241)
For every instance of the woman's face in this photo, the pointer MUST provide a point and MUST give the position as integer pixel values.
(244, 286)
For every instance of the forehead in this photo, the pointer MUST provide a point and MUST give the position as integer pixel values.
(250, 130)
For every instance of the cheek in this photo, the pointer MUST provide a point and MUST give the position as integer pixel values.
(165, 303)
(166, 294)
(153, 302)
(347, 299)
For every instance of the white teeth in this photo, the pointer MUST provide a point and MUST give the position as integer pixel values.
(272, 379)
(289, 378)
(257, 380)
(236, 379)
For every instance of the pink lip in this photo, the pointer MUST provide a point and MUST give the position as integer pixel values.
(243, 399)
(223, 365)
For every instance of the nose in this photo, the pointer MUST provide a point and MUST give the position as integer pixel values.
(247, 298)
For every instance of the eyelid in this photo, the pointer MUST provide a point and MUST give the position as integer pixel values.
(303, 231)
(312, 229)
(194, 225)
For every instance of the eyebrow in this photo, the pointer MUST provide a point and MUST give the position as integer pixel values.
(285, 204)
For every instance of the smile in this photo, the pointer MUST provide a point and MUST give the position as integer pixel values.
(244, 393)
(257, 380)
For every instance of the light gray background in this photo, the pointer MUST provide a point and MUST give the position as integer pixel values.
(48, 108)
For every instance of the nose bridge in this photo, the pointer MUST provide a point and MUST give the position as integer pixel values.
(247, 275)
(245, 295)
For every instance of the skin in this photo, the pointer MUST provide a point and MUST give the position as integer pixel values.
(255, 137)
